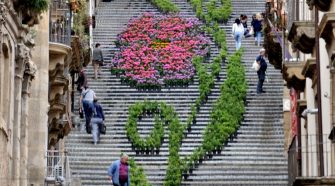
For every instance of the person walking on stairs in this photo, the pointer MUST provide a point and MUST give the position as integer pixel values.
(86, 103)
(244, 21)
(257, 28)
(119, 172)
(82, 80)
(98, 60)
(238, 32)
(97, 121)
(262, 70)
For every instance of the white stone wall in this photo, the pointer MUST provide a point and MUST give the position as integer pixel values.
(39, 106)
(326, 105)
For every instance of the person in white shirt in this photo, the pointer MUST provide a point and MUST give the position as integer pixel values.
(238, 31)
(86, 103)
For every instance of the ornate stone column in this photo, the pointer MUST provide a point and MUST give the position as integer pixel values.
(29, 74)
(21, 59)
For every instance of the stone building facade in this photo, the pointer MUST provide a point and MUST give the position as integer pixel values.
(307, 62)
(35, 89)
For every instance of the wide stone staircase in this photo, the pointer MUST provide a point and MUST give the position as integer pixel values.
(254, 157)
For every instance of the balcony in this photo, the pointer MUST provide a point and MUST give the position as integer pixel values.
(272, 45)
(303, 161)
(60, 22)
(309, 70)
(302, 36)
(326, 27)
(293, 76)
(323, 5)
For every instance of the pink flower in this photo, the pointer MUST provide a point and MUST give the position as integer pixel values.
(159, 47)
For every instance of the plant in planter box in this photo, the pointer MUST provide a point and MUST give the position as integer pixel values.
(31, 9)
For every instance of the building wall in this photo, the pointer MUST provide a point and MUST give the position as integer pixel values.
(326, 105)
(22, 110)
(311, 138)
(309, 126)
(9, 130)
(39, 106)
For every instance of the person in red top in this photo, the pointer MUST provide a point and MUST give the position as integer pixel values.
(119, 173)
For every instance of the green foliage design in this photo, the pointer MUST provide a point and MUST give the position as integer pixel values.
(137, 174)
(225, 116)
(165, 6)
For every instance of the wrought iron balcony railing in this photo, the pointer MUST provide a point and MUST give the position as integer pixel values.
(303, 160)
(60, 22)
(58, 168)
(298, 11)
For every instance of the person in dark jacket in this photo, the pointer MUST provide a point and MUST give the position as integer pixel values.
(82, 80)
(97, 121)
(262, 71)
(257, 27)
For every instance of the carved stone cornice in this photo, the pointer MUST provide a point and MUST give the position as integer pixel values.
(292, 75)
(57, 106)
(10, 18)
(302, 36)
(55, 129)
(58, 49)
(29, 74)
(30, 69)
(57, 53)
(309, 70)
(59, 83)
(272, 47)
(3, 13)
(327, 27)
(323, 5)
(22, 58)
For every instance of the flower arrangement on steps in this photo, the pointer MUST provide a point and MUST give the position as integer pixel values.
(176, 166)
(225, 118)
(157, 50)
